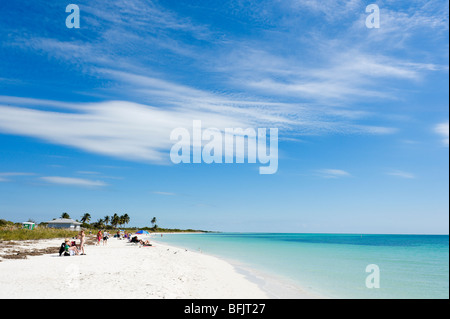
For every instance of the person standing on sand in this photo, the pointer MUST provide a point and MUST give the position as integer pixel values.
(99, 237)
(105, 237)
(82, 242)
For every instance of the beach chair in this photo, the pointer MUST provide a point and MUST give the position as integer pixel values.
(134, 240)
(62, 250)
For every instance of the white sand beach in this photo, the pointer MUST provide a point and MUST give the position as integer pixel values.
(123, 270)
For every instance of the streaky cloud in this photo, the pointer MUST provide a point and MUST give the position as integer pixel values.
(71, 181)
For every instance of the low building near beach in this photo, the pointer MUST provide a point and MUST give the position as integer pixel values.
(64, 223)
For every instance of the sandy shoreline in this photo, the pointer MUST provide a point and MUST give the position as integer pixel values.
(123, 270)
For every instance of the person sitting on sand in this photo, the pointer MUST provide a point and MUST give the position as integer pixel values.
(68, 248)
(62, 250)
(145, 243)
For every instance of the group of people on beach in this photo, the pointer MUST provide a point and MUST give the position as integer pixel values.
(140, 241)
(71, 247)
(102, 237)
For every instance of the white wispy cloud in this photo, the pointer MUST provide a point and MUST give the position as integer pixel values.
(117, 27)
(142, 132)
(398, 25)
(147, 17)
(401, 174)
(164, 193)
(331, 10)
(71, 181)
(6, 176)
(314, 92)
(16, 174)
(88, 173)
(332, 173)
(348, 75)
(443, 130)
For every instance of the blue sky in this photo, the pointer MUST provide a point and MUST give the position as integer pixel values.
(362, 114)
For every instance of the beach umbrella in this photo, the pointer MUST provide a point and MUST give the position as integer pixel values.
(142, 232)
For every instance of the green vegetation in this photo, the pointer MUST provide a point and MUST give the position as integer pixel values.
(169, 230)
(14, 231)
(154, 222)
(65, 215)
(114, 221)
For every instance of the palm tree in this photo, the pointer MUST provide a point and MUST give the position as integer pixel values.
(86, 218)
(115, 220)
(65, 215)
(153, 222)
(106, 220)
(126, 219)
(100, 223)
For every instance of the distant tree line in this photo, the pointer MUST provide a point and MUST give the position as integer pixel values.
(105, 222)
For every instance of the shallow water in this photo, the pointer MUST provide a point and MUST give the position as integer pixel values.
(334, 265)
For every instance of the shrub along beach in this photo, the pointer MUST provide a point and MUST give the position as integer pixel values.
(18, 233)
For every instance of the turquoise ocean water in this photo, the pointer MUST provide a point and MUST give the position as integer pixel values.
(334, 265)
